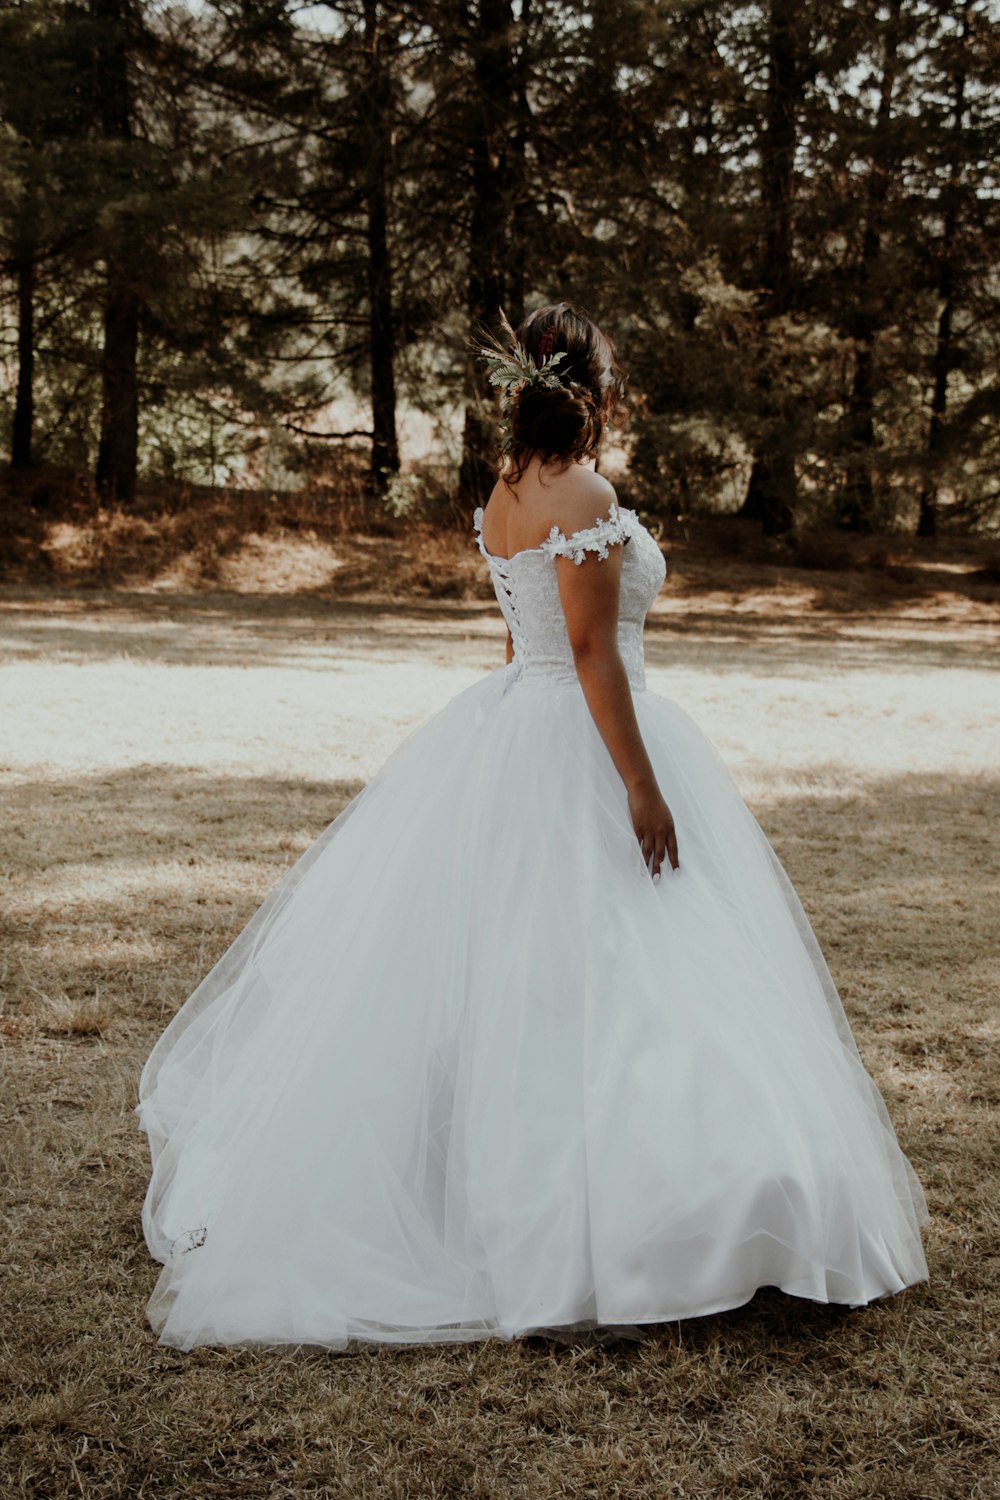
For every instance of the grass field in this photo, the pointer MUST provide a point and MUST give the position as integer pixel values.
(165, 757)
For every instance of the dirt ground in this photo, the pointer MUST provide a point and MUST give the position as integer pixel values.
(165, 756)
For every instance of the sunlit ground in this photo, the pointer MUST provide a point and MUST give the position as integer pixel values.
(165, 758)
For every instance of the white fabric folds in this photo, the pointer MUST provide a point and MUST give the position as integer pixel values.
(470, 1072)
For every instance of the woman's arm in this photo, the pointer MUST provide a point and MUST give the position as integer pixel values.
(589, 593)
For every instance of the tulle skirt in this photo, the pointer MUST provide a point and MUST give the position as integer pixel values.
(469, 1071)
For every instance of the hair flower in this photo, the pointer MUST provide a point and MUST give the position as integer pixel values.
(510, 368)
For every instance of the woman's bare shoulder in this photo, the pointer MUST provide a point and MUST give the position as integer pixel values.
(579, 498)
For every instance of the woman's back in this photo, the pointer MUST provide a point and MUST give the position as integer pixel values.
(519, 515)
(528, 589)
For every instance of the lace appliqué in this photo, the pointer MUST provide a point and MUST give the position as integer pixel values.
(617, 527)
(527, 590)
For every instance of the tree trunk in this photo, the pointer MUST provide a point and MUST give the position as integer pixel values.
(493, 102)
(118, 449)
(772, 490)
(941, 366)
(857, 511)
(382, 337)
(24, 406)
(778, 168)
(517, 173)
(927, 522)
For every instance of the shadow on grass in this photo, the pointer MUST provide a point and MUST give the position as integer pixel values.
(307, 632)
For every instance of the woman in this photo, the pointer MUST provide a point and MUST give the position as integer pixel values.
(474, 1069)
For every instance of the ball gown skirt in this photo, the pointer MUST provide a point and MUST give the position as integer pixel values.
(470, 1071)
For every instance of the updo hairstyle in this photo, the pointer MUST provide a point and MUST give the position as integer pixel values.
(564, 423)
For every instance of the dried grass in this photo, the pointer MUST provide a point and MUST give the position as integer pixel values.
(66, 1015)
(331, 540)
(867, 748)
(323, 539)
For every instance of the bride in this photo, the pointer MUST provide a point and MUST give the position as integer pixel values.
(536, 1034)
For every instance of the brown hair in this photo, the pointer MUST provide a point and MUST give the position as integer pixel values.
(565, 422)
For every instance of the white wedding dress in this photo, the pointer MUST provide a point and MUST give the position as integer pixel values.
(469, 1071)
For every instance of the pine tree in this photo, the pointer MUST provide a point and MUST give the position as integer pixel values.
(42, 214)
(478, 76)
(214, 222)
(772, 491)
(857, 511)
(961, 213)
(116, 36)
(379, 44)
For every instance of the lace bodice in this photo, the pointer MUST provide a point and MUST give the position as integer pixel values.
(527, 590)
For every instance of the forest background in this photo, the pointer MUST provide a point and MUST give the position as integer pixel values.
(245, 246)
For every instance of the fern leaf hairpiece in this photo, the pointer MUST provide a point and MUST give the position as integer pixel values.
(510, 368)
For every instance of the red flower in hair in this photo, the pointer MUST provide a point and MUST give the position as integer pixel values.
(545, 347)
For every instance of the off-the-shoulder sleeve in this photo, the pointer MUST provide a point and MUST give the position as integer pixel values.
(616, 527)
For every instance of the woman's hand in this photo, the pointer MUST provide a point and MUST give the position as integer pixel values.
(654, 827)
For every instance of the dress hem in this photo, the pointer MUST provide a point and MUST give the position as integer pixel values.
(609, 1325)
